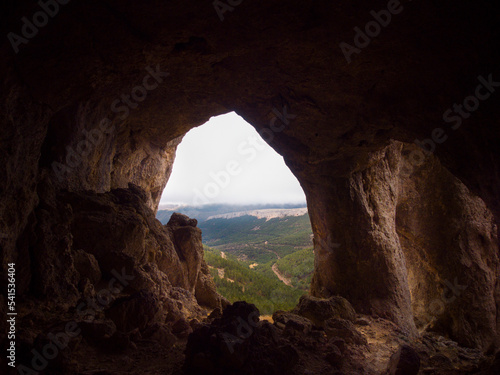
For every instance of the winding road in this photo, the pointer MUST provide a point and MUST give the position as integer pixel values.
(280, 276)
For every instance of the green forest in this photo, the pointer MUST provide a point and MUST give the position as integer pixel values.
(258, 240)
(260, 285)
(297, 266)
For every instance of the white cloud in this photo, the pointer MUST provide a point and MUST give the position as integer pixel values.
(226, 161)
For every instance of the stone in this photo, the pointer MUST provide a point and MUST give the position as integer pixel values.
(205, 289)
(160, 333)
(181, 328)
(240, 311)
(215, 314)
(288, 320)
(339, 343)
(405, 361)
(334, 355)
(189, 248)
(362, 322)
(181, 220)
(239, 343)
(319, 310)
(344, 329)
(87, 266)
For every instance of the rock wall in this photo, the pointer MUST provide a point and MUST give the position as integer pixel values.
(103, 258)
(412, 245)
(361, 258)
(449, 238)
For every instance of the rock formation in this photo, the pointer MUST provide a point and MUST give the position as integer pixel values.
(410, 213)
(95, 96)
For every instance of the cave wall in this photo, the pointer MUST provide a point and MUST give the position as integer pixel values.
(412, 244)
(362, 258)
(266, 57)
(102, 262)
(449, 238)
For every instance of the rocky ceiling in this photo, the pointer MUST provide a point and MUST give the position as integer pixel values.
(97, 94)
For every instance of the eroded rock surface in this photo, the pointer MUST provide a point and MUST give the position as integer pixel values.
(114, 272)
(414, 245)
(389, 242)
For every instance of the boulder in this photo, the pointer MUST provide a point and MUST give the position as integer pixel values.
(290, 321)
(238, 343)
(181, 220)
(318, 310)
(181, 328)
(205, 290)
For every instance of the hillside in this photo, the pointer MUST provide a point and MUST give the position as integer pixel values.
(296, 268)
(258, 240)
(236, 281)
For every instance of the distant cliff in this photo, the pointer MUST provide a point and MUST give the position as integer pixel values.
(267, 214)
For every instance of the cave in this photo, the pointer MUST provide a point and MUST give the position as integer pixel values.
(386, 112)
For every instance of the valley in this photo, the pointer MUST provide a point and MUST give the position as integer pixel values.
(262, 255)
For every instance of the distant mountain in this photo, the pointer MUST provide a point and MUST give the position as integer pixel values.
(202, 213)
(269, 213)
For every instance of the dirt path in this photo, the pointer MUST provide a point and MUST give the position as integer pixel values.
(275, 253)
(280, 275)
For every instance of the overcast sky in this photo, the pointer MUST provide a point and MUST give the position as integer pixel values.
(226, 161)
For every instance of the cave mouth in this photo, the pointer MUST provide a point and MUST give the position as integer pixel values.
(227, 161)
(251, 210)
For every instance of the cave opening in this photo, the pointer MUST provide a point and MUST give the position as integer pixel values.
(227, 161)
(251, 210)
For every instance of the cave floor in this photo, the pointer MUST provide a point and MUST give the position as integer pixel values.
(147, 357)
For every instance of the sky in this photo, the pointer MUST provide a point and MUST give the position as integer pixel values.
(226, 161)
